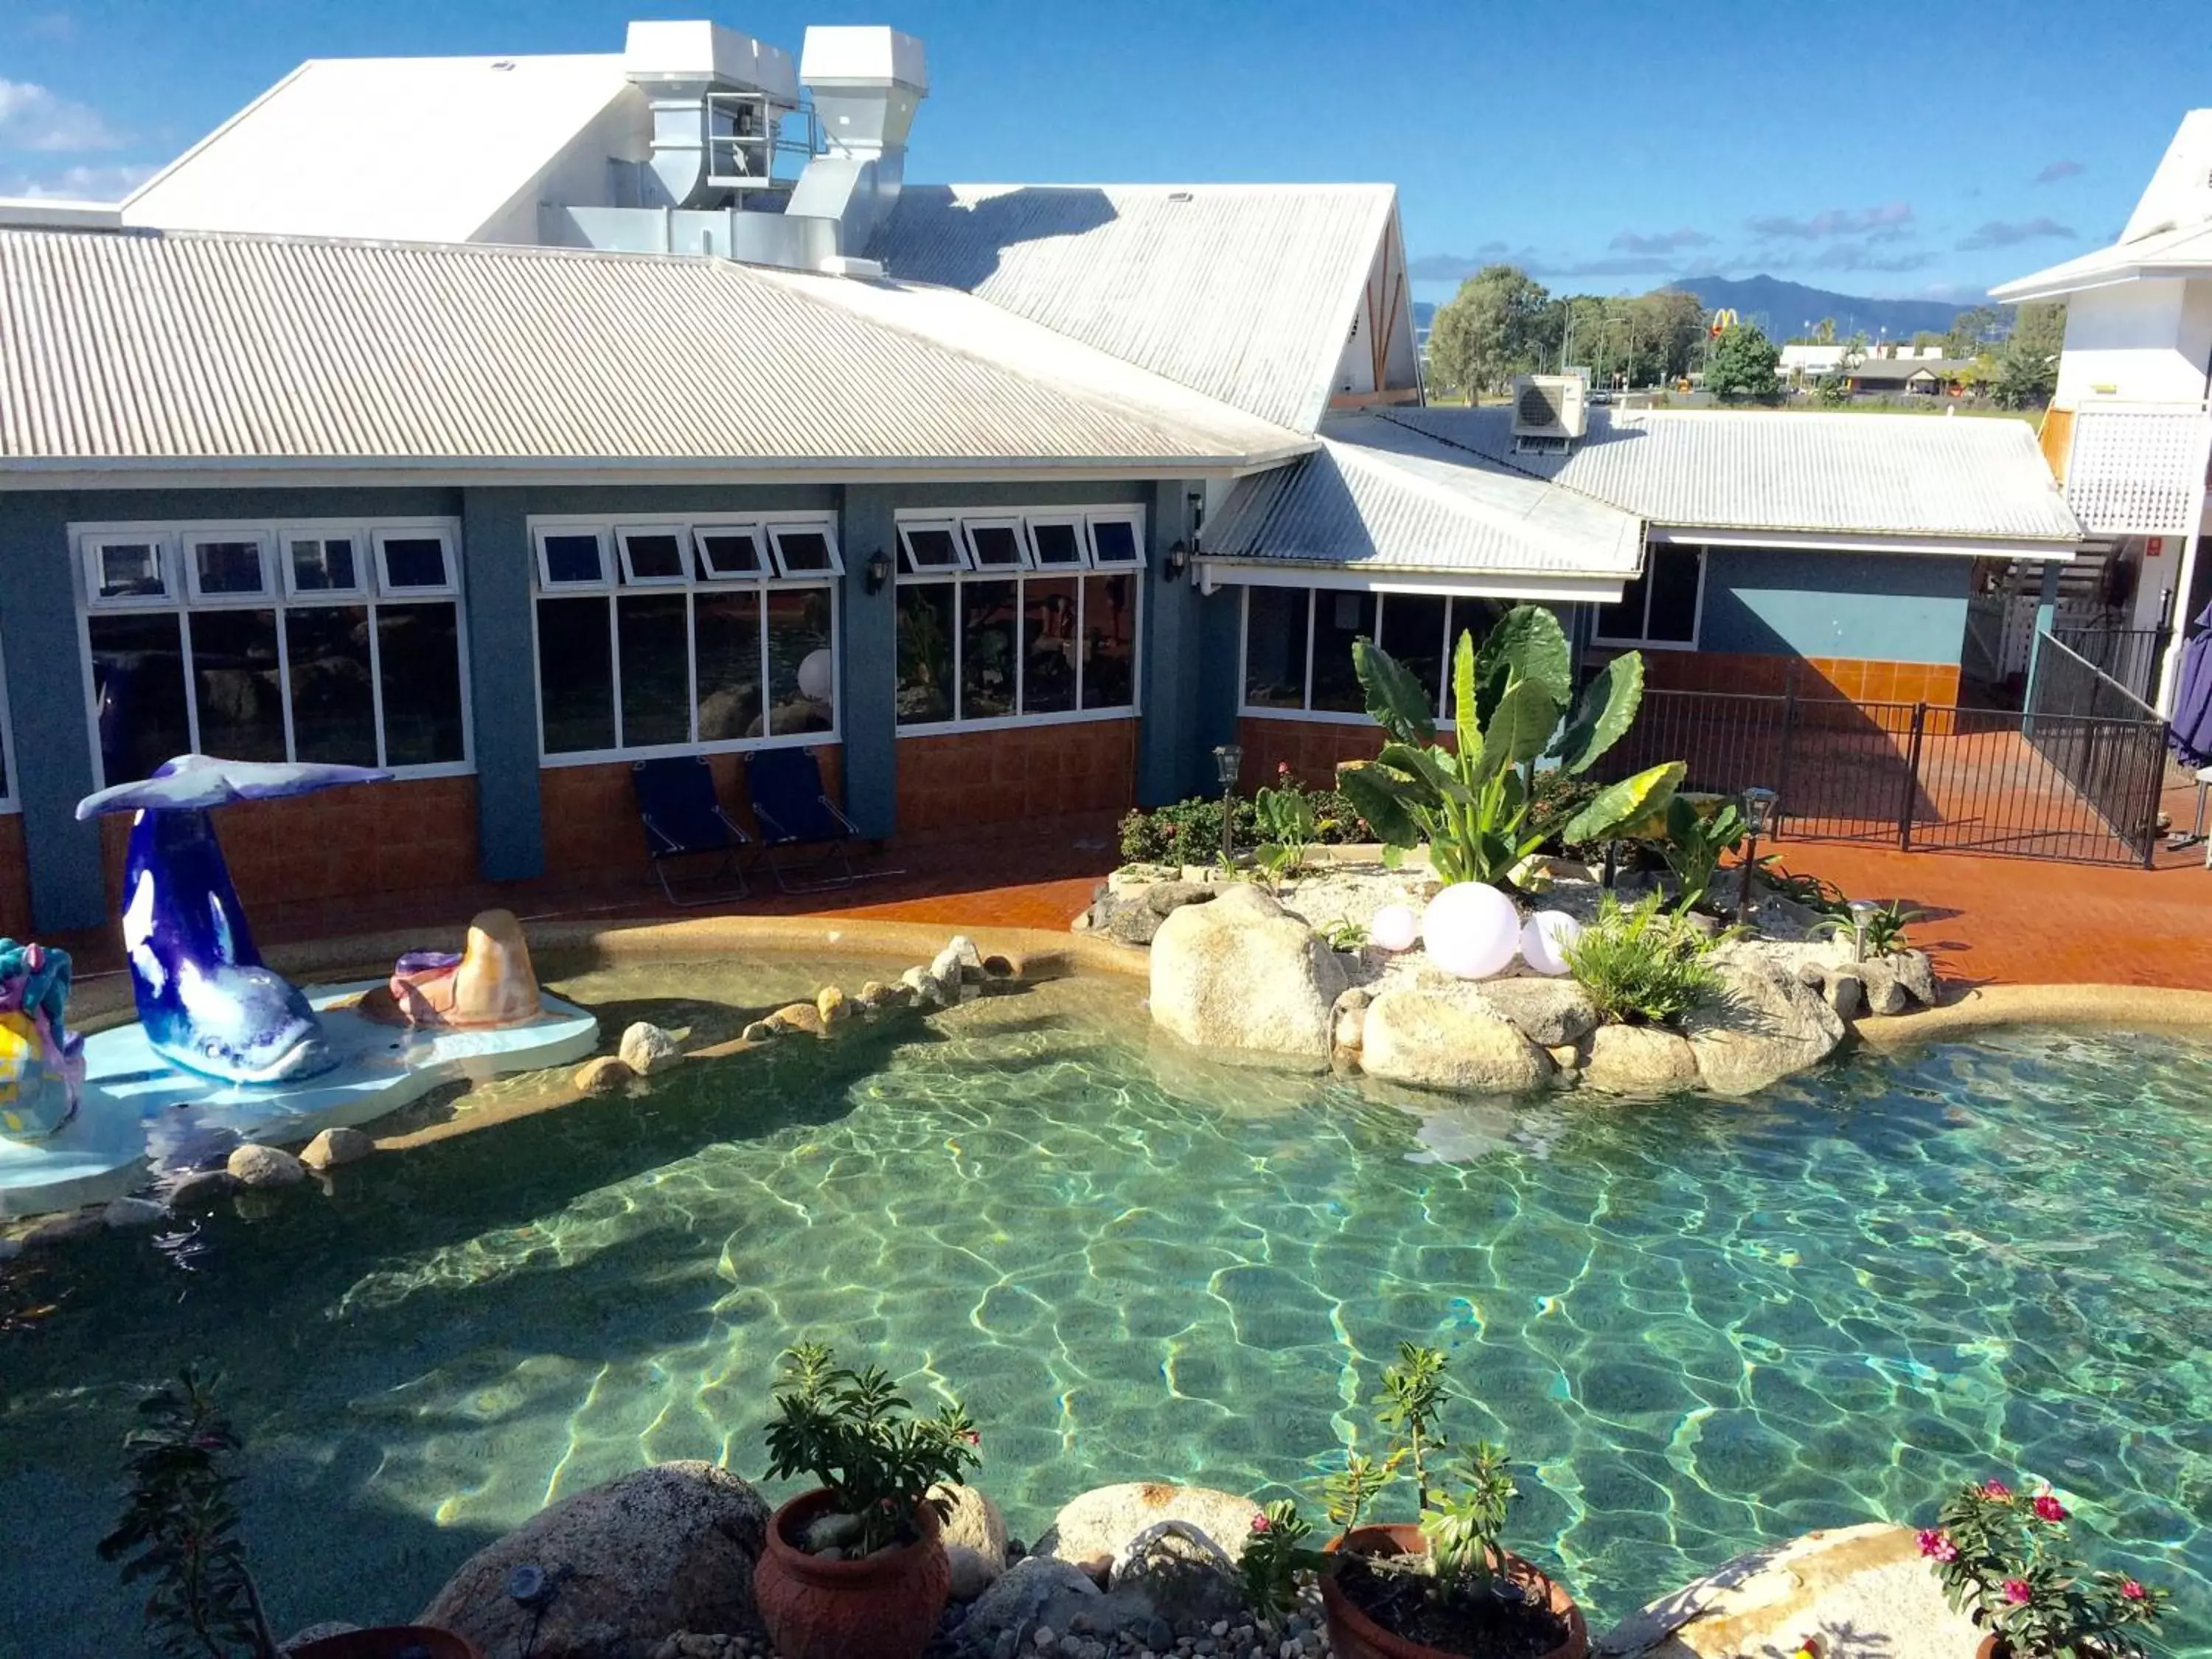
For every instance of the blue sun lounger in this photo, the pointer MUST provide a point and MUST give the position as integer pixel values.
(683, 819)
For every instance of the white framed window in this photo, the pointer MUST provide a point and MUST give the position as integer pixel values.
(1663, 608)
(1007, 618)
(416, 560)
(126, 570)
(226, 565)
(573, 556)
(8, 803)
(1116, 539)
(693, 637)
(1296, 654)
(328, 640)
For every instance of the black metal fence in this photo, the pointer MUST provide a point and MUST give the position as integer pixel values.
(2079, 784)
(2107, 742)
(2130, 656)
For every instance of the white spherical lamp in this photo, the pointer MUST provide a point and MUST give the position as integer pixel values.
(1396, 927)
(1471, 929)
(814, 671)
(1544, 940)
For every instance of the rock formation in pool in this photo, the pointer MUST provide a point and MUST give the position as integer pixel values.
(208, 1002)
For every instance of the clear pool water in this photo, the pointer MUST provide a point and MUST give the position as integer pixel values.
(1703, 1324)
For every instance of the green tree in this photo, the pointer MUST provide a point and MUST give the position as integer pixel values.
(1674, 322)
(1742, 364)
(1968, 330)
(1490, 331)
(2023, 372)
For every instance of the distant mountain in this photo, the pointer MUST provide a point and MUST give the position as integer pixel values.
(1425, 314)
(1783, 309)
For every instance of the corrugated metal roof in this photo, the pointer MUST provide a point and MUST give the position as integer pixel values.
(426, 150)
(118, 346)
(1857, 475)
(1376, 497)
(1243, 292)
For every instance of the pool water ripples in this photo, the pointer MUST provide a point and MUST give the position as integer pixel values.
(1702, 1324)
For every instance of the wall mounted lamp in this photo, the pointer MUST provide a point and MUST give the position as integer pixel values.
(878, 570)
(1175, 561)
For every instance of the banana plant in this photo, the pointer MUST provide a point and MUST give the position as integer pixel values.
(1513, 702)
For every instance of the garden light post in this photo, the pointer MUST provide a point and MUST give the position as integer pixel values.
(1228, 762)
(1758, 813)
(1862, 912)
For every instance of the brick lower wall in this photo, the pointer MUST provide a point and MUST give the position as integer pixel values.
(968, 778)
(1848, 679)
(14, 880)
(404, 836)
(1311, 749)
(590, 812)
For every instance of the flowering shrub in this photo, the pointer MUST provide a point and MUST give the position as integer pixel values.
(1999, 1555)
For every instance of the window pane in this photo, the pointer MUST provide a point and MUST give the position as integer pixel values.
(129, 570)
(931, 550)
(139, 687)
(572, 559)
(925, 653)
(333, 701)
(656, 669)
(986, 650)
(729, 553)
(655, 558)
(1056, 543)
(726, 633)
(1413, 633)
(996, 547)
(234, 687)
(1114, 541)
(320, 565)
(575, 676)
(1624, 621)
(228, 568)
(1339, 619)
(1673, 594)
(1048, 645)
(802, 677)
(1275, 648)
(419, 653)
(415, 562)
(802, 550)
(1109, 641)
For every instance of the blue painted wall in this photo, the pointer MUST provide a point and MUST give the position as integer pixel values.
(1887, 607)
(1171, 742)
(867, 696)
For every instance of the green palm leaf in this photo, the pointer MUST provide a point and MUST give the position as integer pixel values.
(1607, 710)
(1625, 802)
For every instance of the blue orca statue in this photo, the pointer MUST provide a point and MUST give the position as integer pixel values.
(207, 1001)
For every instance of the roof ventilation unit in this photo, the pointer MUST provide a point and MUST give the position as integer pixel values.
(1549, 408)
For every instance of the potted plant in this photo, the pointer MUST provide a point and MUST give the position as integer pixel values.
(852, 1569)
(179, 1529)
(1999, 1556)
(1444, 1588)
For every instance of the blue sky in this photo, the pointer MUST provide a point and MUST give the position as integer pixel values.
(1924, 148)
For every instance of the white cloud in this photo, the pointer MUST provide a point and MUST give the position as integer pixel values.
(77, 183)
(36, 117)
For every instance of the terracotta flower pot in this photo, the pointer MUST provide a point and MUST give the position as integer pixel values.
(883, 1607)
(391, 1642)
(1353, 1635)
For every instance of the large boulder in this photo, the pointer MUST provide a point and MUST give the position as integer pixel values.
(1102, 1523)
(1178, 1573)
(1240, 975)
(1765, 1024)
(1034, 1591)
(1867, 1586)
(670, 1547)
(1638, 1060)
(1449, 1037)
(1551, 1013)
(265, 1166)
(971, 1519)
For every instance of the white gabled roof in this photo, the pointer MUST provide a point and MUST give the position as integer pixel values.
(1242, 292)
(1844, 476)
(419, 150)
(149, 349)
(2168, 234)
(1378, 499)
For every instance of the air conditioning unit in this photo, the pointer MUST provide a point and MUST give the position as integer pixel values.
(1549, 406)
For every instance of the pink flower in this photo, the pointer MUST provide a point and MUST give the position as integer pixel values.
(1261, 1524)
(2048, 1508)
(2133, 1589)
(2016, 1590)
(1996, 1489)
(972, 1438)
(1936, 1547)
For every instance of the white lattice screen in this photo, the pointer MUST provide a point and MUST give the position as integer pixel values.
(2138, 472)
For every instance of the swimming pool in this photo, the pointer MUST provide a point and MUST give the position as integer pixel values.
(1703, 1324)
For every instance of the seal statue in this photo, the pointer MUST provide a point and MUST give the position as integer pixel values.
(207, 1001)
